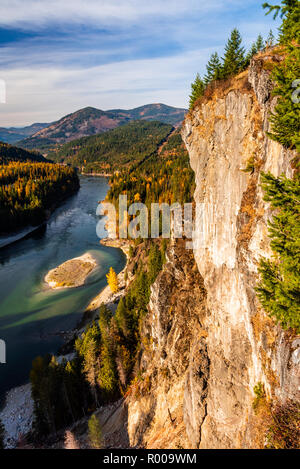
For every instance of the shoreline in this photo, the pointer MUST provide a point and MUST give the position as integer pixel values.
(17, 411)
(103, 175)
(105, 296)
(9, 239)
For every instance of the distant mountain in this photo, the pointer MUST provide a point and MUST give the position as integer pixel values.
(10, 153)
(90, 121)
(154, 112)
(14, 134)
(121, 147)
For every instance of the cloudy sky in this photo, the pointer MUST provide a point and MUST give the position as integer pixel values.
(57, 56)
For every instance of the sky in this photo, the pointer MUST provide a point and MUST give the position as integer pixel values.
(58, 56)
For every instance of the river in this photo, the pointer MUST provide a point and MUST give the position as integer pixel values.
(32, 315)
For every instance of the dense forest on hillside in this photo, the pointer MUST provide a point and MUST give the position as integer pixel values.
(29, 190)
(10, 153)
(120, 147)
(164, 177)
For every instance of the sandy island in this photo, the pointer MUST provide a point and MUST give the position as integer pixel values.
(72, 273)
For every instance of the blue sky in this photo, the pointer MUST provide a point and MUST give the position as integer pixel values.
(57, 56)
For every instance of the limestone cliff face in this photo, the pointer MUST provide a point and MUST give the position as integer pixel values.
(207, 341)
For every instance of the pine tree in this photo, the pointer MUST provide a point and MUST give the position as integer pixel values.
(112, 280)
(271, 39)
(260, 45)
(198, 88)
(122, 317)
(107, 377)
(251, 54)
(289, 10)
(279, 287)
(95, 432)
(213, 69)
(234, 58)
(286, 117)
(154, 263)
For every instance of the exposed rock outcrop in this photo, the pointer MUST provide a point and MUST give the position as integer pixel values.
(168, 403)
(244, 346)
(207, 342)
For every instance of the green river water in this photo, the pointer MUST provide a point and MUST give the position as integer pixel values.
(32, 315)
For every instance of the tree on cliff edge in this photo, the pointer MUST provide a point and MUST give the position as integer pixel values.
(197, 90)
(234, 58)
(213, 69)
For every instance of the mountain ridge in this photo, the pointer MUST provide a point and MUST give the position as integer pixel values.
(91, 121)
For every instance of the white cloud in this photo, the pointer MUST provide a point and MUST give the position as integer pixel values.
(107, 67)
(42, 12)
(44, 94)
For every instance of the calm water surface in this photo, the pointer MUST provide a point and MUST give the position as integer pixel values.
(31, 315)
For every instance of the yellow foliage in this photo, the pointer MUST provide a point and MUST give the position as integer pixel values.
(112, 280)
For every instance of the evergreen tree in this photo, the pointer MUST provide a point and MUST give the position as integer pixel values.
(279, 288)
(234, 58)
(198, 88)
(286, 117)
(95, 432)
(213, 69)
(271, 39)
(289, 10)
(123, 318)
(107, 377)
(260, 45)
(154, 263)
(251, 54)
(112, 280)
(256, 47)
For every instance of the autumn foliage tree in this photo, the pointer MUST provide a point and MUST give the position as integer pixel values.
(112, 280)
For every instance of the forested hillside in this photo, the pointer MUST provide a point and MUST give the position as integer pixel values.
(28, 191)
(92, 121)
(121, 147)
(10, 153)
(164, 177)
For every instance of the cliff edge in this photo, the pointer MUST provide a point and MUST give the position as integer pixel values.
(207, 341)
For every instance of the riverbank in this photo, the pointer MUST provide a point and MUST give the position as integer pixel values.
(103, 175)
(106, 296)
(17, 412)
(10, 239)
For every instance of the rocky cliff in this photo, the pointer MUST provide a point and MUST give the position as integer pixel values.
(207, 342)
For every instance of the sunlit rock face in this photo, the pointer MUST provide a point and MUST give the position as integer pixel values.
(244, 346)
(205, 340)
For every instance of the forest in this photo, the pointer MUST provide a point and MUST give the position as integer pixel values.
(11, 153)
(123, 146)
(29, 192)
